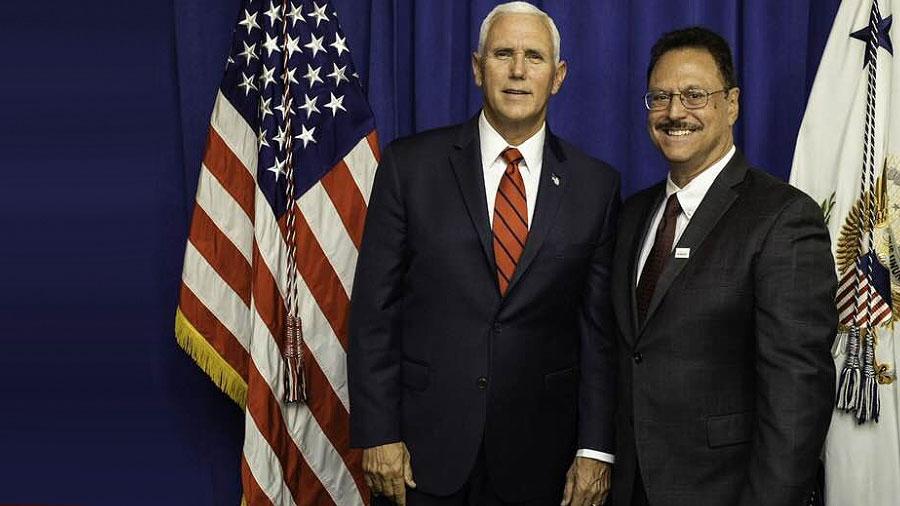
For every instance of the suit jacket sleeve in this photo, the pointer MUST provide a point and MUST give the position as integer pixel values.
(597, 389)
(373, 355)
(796, 320)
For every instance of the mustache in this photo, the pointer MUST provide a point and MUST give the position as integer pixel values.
(677, 125)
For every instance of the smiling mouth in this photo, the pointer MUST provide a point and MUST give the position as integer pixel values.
(510, 91)
(678, 130)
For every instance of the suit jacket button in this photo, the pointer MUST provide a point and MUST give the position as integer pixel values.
(637, 358)
(497, 328)
(481, 382)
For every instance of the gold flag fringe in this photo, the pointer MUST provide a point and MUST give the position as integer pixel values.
(218, 370)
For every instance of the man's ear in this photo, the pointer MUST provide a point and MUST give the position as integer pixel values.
(476, 69)
(733, 104)
(559, 76)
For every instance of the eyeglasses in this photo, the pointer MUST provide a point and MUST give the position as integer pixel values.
(692, 98)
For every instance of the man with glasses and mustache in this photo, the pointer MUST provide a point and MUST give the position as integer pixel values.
(723, 288)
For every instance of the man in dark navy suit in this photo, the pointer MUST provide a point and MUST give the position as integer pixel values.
(481, 360)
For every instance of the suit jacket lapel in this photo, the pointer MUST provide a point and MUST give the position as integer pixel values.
(715, 203)
(465, 158)
(551, 189)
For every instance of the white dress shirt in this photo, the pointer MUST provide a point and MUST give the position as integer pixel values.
(492, 145)
(532, 149)
(689, 198)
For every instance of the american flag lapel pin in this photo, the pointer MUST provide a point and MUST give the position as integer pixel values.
(555, 179)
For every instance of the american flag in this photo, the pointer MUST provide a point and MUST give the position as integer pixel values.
(290, 109)
(864, 294)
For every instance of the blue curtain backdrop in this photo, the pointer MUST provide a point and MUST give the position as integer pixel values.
(104, 109)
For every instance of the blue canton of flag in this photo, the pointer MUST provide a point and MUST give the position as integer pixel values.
(277, 46)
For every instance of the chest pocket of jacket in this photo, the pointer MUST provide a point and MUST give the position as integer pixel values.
(732, 429)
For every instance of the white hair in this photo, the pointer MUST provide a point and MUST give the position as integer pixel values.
(518, 8)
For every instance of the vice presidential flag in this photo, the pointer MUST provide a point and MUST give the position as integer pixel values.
(848, 159)
(269, 262)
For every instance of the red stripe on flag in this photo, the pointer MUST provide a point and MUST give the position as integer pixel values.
(212, 330)
(322, 280)
(221, 254)
(327, 409)
(252, 492)
(225, 166)
(265, 412)
(334, 420)
(347, 200)
(845, 291)
(372, 139)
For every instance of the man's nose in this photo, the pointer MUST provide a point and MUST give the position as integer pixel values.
(517, 65)
(676, 108)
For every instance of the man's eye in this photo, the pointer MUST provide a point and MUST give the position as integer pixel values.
(661, 97)
(534, 57)
(694, 94)
(503, 54)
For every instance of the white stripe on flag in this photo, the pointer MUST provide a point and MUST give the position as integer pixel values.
(215, 294)
(327, 227)
(320, 455)
(236, 133)
(362, 164)
(225, 213)
(264, 465)
(317, 332)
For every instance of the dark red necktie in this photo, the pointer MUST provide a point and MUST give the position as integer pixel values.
(659, 255)
(510, 219)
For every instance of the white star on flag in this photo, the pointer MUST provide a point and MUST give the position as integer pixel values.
(285, 110)
(249, 52)
(277, 169)
(249, 21)
(271, 44)
(264, 108)
(292, 46)
(274, 13)
(339, 74)
(247, 83)
(309, 105)
(306, 135)
(295, 15)
(318, 13)
(335, 104)
(315, 44)
(313, 75)
(281, 138)
(262, 138)
(267, 76)
(288, 76)
(339, 44)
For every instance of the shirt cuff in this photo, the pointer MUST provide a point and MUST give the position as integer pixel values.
(594, 454)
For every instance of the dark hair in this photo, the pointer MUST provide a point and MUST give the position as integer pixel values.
(700, 38)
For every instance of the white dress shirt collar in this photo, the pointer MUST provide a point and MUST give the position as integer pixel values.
(492, 144)
(692, 194)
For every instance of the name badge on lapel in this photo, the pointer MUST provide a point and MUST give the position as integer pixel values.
(682, 252)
